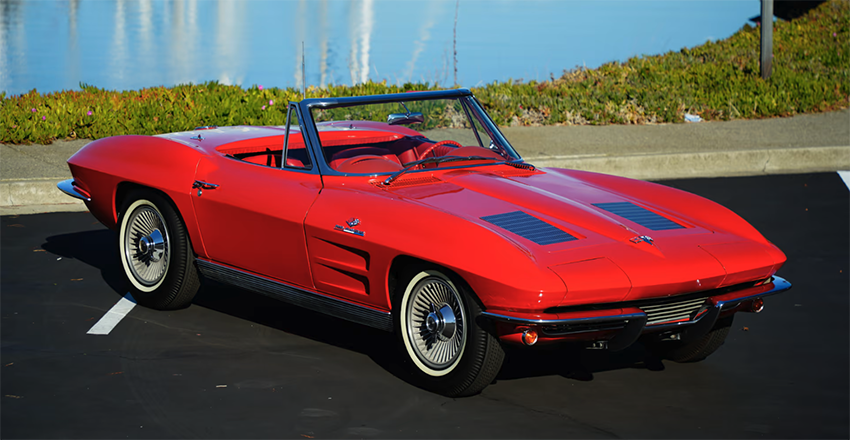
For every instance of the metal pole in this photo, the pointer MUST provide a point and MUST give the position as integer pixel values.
(766, 38)
(303, 77)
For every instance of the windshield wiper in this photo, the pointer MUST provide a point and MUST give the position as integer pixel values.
(518, 163)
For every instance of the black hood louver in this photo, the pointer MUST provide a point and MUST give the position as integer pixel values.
(529, 227)
(641, 216)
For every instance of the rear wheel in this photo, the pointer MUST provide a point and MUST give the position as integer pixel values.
(697, 349)
(435, 320)
(156, 253)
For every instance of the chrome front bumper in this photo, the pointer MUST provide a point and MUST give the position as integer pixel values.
(68, 187)
(628, 322)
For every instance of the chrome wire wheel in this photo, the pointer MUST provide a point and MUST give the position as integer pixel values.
(146, 246)
(435, 324)
(155, 251)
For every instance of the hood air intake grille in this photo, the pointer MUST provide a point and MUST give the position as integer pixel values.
(641, 216)
(529, 227)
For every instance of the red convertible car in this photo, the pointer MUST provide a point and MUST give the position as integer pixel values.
(413, 214)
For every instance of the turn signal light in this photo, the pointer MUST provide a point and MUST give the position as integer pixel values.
(529, 337)
(757, 305)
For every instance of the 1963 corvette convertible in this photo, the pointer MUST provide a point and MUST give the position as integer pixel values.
(413, 214)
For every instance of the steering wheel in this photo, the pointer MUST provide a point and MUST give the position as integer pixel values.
(438, 144)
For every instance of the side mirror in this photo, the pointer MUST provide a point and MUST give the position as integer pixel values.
(405, 118)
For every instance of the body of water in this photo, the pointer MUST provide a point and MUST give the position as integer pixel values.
(130, 44)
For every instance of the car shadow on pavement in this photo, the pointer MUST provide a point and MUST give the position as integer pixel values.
(569, 361)
(98, 249)
(573, 361)
(378, 345)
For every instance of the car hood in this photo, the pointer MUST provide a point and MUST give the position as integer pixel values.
(561, 221)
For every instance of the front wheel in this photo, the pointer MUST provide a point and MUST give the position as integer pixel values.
(435, 320)
(156, 253)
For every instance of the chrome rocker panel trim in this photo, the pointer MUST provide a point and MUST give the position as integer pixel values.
(296, 296)
(601, 319)
(67, 187)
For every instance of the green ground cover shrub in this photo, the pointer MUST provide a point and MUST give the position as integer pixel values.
(717, 80)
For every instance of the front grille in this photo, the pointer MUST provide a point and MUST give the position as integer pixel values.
(672, 312)
(639, 215)
(529, 227)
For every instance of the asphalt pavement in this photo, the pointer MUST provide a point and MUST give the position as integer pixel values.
(239, 365)
(798, 144)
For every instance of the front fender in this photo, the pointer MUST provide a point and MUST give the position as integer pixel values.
(503, 274)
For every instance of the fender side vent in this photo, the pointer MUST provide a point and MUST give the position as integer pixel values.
(641, 216)
(529, 227)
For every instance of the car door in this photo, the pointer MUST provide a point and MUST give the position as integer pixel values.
(251, 215)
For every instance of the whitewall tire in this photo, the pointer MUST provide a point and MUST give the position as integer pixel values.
(435, 316)
(155, 252)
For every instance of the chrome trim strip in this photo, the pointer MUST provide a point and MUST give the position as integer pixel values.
(522, 321)
(779, 285)
(356, 232)
(635, 324)
(296, 296)
(67, 187)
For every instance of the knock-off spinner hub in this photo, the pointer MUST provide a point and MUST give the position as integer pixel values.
(152, 246)
(441, 322)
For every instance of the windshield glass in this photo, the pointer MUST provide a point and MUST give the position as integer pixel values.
(387, 137)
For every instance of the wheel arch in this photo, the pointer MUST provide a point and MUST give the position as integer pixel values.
(402, 262)
(125, 188)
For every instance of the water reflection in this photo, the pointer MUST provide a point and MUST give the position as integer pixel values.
(118, 51)
(130, 44)
(364, 28)
(424, 35)
(228, 26)
(12, 41)
(323, 44)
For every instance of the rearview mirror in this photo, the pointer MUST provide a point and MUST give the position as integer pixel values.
(405, 118)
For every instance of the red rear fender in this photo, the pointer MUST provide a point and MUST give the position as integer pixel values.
(146, 161)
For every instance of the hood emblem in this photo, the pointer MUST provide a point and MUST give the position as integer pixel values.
(641, 238)
(352, 222)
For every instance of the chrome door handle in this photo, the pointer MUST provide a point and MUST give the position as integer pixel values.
(201, 186)
(204, 185)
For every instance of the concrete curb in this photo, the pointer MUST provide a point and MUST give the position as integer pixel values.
(41, 195)
(32, 192)
(35, 195)
(708, 164)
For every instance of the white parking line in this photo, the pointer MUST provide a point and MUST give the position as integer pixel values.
(845, 176)
(113, 316)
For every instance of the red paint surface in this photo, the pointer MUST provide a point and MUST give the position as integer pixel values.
(282, 223)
